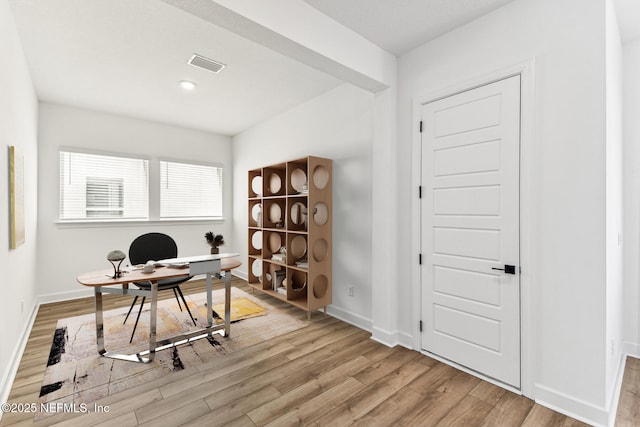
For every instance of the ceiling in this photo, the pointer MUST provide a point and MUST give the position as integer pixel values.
(402, 25)
(399, 26)
(127, 57)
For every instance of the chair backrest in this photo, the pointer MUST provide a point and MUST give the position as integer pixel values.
(152, 246)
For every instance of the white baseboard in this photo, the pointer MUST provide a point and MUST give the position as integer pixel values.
(353, 319)
(10, 375)
(617, 388)
(406, 340)
(241, 274)
(387, 338)
(570, 406)
(392, 338)
(583, 411)
(64, 296)
(346, 316)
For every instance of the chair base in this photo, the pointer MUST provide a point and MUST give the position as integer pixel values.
(179, 291)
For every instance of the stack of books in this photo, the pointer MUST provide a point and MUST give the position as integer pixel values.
(278, 277)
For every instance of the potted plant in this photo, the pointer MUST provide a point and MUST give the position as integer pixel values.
(214, 240)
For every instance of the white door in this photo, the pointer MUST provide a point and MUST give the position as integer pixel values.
(470, 229)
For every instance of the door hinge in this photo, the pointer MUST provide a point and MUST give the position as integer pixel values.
(420, 192)
(420, 259)
(420, 126)
(420, 326)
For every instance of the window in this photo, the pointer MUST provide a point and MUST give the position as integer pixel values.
(96, 187)
(190, 190)
(105, 197)
(103, 187)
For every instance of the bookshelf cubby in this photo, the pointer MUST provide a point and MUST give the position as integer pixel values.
(289, 230)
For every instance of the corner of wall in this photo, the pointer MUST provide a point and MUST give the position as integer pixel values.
(570, 406)
(18, 126)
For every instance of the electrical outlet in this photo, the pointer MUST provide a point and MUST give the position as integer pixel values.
(350, 291)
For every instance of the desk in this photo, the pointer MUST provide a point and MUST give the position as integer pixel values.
(211, 265)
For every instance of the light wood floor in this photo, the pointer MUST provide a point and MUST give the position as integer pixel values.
(329, 373)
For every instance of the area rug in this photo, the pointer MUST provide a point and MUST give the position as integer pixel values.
(76, 374)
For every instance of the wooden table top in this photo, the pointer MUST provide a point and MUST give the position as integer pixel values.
(104, 277)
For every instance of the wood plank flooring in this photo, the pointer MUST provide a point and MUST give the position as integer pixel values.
(329, 373)
(629, 405)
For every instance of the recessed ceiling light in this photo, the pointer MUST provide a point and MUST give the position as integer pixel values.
(187, 85)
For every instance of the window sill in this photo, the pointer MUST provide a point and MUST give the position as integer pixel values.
(103, 223)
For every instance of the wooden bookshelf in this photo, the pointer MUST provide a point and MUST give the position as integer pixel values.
(289, 230)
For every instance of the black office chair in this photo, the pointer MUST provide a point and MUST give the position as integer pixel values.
(155, 246)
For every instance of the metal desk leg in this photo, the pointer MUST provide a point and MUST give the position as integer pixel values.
(100, 333)
(99, 321)
(209, 301)
(153, 320)
(227, 303)
(154, 345)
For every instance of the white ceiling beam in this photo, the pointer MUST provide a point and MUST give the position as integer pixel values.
(299, 31)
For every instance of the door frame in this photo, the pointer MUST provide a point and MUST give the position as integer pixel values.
(527, 220)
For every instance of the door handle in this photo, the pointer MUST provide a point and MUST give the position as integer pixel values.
(508, 269)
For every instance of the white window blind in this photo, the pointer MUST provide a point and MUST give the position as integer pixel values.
(105, 197)
(190, 190)
(96, 186)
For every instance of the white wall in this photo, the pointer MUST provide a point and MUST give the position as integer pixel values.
(336, 125)
(572, 305)
(566, 268)
(18, 127)
(614, 224)
(631, 159)
(65, 251)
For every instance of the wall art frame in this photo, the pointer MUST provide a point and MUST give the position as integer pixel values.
(16, 197)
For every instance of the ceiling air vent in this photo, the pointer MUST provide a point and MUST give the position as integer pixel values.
(206, 63)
